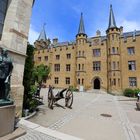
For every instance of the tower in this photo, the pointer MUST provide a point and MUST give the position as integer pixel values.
(81, 41)
(42, 41)
(113, 55)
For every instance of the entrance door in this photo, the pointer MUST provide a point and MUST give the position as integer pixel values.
(96, 83)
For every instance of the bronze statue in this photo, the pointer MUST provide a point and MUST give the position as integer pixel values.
(6, 68)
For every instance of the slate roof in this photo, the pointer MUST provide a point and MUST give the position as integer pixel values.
(112, 22)
(81, 29)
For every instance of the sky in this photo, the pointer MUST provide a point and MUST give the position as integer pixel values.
(62, 17)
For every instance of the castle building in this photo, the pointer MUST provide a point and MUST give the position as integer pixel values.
(110, 62)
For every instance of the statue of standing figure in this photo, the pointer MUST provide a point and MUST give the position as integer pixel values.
(6, 68)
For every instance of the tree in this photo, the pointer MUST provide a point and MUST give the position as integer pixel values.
(40, 73)
(27, 81)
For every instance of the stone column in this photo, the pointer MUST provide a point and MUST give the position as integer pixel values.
(15, 37)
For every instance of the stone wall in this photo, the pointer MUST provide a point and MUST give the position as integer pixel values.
(14, 38)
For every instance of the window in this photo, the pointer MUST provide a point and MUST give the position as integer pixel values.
(114, 65)
(79, 67)
(119, 82)
(68, 56)
(78, 81)
(79, 53)
(131, 50)
(132, 81)
(82, 66)
(67, 80)
(113, 50)
(114, 82)
(118, 65)
(96, 66)
(46, 58)
(39, 58)
(132, 65)
(109, 51)
(82, 81)
(110, 82)
(56, 67)
(56, 80)
(112, 37)
(83, 53)
(96, 52)
(3, 9)
(57, 57)
(67, 67)
(117, 50)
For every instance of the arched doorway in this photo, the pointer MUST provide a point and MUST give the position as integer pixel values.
(97, 84)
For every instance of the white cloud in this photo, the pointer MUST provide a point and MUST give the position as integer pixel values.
(130, 25)
(33, 35)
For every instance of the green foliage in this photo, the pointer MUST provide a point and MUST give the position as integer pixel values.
(33, 104)
(31, 75)
(136, 91)
(27, 80)
(40, 73)
(72, 88)
(29, 64)
(129, 92)
(33, 89)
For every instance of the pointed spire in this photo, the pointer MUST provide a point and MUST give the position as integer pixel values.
(81, 26)
(112, 22)
(42, 35)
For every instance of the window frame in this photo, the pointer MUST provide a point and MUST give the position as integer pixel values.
(56, 67)
(132, 65)
(132, 81)
(96, 65)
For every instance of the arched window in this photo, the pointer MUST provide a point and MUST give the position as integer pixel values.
(3, 9)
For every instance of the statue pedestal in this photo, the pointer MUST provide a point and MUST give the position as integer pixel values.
(7, 119)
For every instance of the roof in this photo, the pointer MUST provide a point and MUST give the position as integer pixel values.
(112, 22)
(81, 29)
(42, 35)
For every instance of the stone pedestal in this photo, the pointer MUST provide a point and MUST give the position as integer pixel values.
(7, 119)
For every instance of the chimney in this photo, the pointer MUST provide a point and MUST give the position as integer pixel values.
(121, 30)
(55, 40)
(98, 33)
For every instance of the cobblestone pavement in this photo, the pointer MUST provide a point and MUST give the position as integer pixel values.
(35, 135)
(85, 121)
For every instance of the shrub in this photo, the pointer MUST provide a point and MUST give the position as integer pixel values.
(33, 89)
(129, 92)
(72, 88)
(136, 91)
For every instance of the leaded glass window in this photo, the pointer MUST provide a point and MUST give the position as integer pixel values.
(3, 9)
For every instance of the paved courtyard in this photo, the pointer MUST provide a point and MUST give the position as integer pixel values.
(84, 120)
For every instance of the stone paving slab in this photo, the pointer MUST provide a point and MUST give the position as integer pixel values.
(84, 120)
(37, 132)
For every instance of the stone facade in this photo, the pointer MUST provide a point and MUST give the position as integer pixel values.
(14, 38)
(109, 62)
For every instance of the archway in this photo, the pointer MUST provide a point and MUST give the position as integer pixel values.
(97, 84)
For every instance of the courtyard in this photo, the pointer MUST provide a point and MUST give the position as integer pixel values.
(95, 115)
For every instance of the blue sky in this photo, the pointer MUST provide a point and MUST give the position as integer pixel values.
(62, 17)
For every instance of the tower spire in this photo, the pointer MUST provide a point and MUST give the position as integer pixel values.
(81, 26)
(112, 22)
(42, 35)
